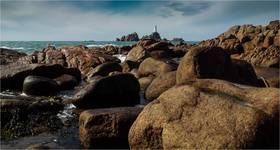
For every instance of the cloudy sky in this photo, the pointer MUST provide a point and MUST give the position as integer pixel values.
(105, 20)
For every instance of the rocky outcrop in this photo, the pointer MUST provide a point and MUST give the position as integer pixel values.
(130, 37)
(13, 75)
(107, 128)
(111, 91)
(40, 86)
(258, 45)
(160, 84)
(151, 66)
(81, 57)
(8, 56)
(209, 114)
(84, 59)
(153, 36)
(214, 62)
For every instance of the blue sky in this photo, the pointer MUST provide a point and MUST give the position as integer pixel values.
(106, 20)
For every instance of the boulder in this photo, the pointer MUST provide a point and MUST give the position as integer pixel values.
(155, 67)
(111, 91)
(104, 69)
(137, 54)
(13, 75)
(66, 82)
(128, 65)
(162, 45)
(37, 85)
(145, 82)
(160, 84)
(107, 128)
(214, 63)
(146, 42)
(209, 114)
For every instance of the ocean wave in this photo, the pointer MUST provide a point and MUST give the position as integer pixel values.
(100, 45)
(14, 48)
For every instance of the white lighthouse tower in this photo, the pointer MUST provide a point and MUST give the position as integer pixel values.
(155, 29)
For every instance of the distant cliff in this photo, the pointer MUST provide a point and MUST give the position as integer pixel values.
(129, 37)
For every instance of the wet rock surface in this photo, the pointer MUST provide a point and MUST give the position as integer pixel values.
(111, 91)
(107, 128)
(66, 82)
(209, 114)
(40, 86)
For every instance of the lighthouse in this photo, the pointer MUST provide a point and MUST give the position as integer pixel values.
(155, 29)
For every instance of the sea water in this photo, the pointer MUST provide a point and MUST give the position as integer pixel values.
(30, 46)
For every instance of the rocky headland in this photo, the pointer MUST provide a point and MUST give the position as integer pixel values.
(222, 93)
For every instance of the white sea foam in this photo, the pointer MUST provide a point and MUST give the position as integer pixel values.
(121, 57)
(100, 45)
(14, 48)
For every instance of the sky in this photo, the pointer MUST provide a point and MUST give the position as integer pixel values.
(65, 20)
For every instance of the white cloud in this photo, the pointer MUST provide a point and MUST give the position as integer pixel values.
(40, 21)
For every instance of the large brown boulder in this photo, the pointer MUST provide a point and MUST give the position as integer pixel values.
(137, 54)
(214, 62)
(155, 67)
(111, 91)
(107, 128)
(209, 114)
(160, 84)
